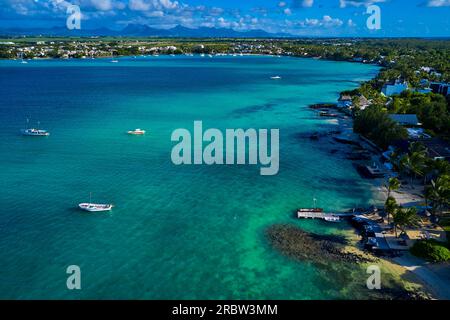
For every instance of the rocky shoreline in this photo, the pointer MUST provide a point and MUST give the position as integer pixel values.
(335, 263)
(318, 249)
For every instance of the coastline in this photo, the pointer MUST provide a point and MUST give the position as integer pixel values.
(411, 273)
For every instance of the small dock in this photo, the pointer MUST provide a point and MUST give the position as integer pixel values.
(318, 215)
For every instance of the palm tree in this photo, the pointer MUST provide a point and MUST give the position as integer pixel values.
(439, 193)
(417, 163)
(441, 167)
(405, 218)
(390, 207)
(418, 147)
(405, 164)
(392, 185)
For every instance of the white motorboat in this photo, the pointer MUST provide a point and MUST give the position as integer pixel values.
(332, 219)
(136, 132)
(94, 207)
(34, 132)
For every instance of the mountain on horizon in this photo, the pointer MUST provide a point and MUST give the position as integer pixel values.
(141, 30)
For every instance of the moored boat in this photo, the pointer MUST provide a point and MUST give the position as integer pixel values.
(136, 132)
(310, 210)
(93, 207)
(331, 219)
(34, 132)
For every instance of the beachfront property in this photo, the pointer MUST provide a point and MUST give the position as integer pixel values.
(440, 87)
(361, 102)
(407, 120)
(345, 101)
(393, 88)
(437, 149)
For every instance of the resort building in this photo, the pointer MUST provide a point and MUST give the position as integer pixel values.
(437, 149)
(345, 101)
(407, 120)
(440, 87)
(361, 102)
(397, 87)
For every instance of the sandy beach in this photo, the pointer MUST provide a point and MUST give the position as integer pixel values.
(414, 273)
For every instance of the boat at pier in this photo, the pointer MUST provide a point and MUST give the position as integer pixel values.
(310, 210)
(328, 217)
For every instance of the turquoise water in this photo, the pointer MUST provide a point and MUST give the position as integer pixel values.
(176, 232)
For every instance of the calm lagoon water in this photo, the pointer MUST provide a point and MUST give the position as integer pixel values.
(177, 232)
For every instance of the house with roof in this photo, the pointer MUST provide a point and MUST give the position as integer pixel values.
(407, 120)
(361, 102)
(345, 101)
(440, 87)
(397, 87)
(437, 149)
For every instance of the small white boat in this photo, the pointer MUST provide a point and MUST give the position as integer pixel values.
(34, 132)
(136, 132)
(20, 56)
(332, 219)
(112, 58)
(93, 207)
(275, 78)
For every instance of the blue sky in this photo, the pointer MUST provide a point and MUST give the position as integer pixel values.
(427, 18)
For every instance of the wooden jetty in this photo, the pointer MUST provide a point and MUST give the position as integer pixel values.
(318, 215)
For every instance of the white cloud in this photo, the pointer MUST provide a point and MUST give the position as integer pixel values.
(157, 5)
(438, 3)
(326, 22)
(307, 3)
(103, 5)
(139, 5)
(358, 3)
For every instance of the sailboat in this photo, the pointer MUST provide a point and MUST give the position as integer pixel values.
(94, 207)
(34, 131)
(21, 58)
(112, 58)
